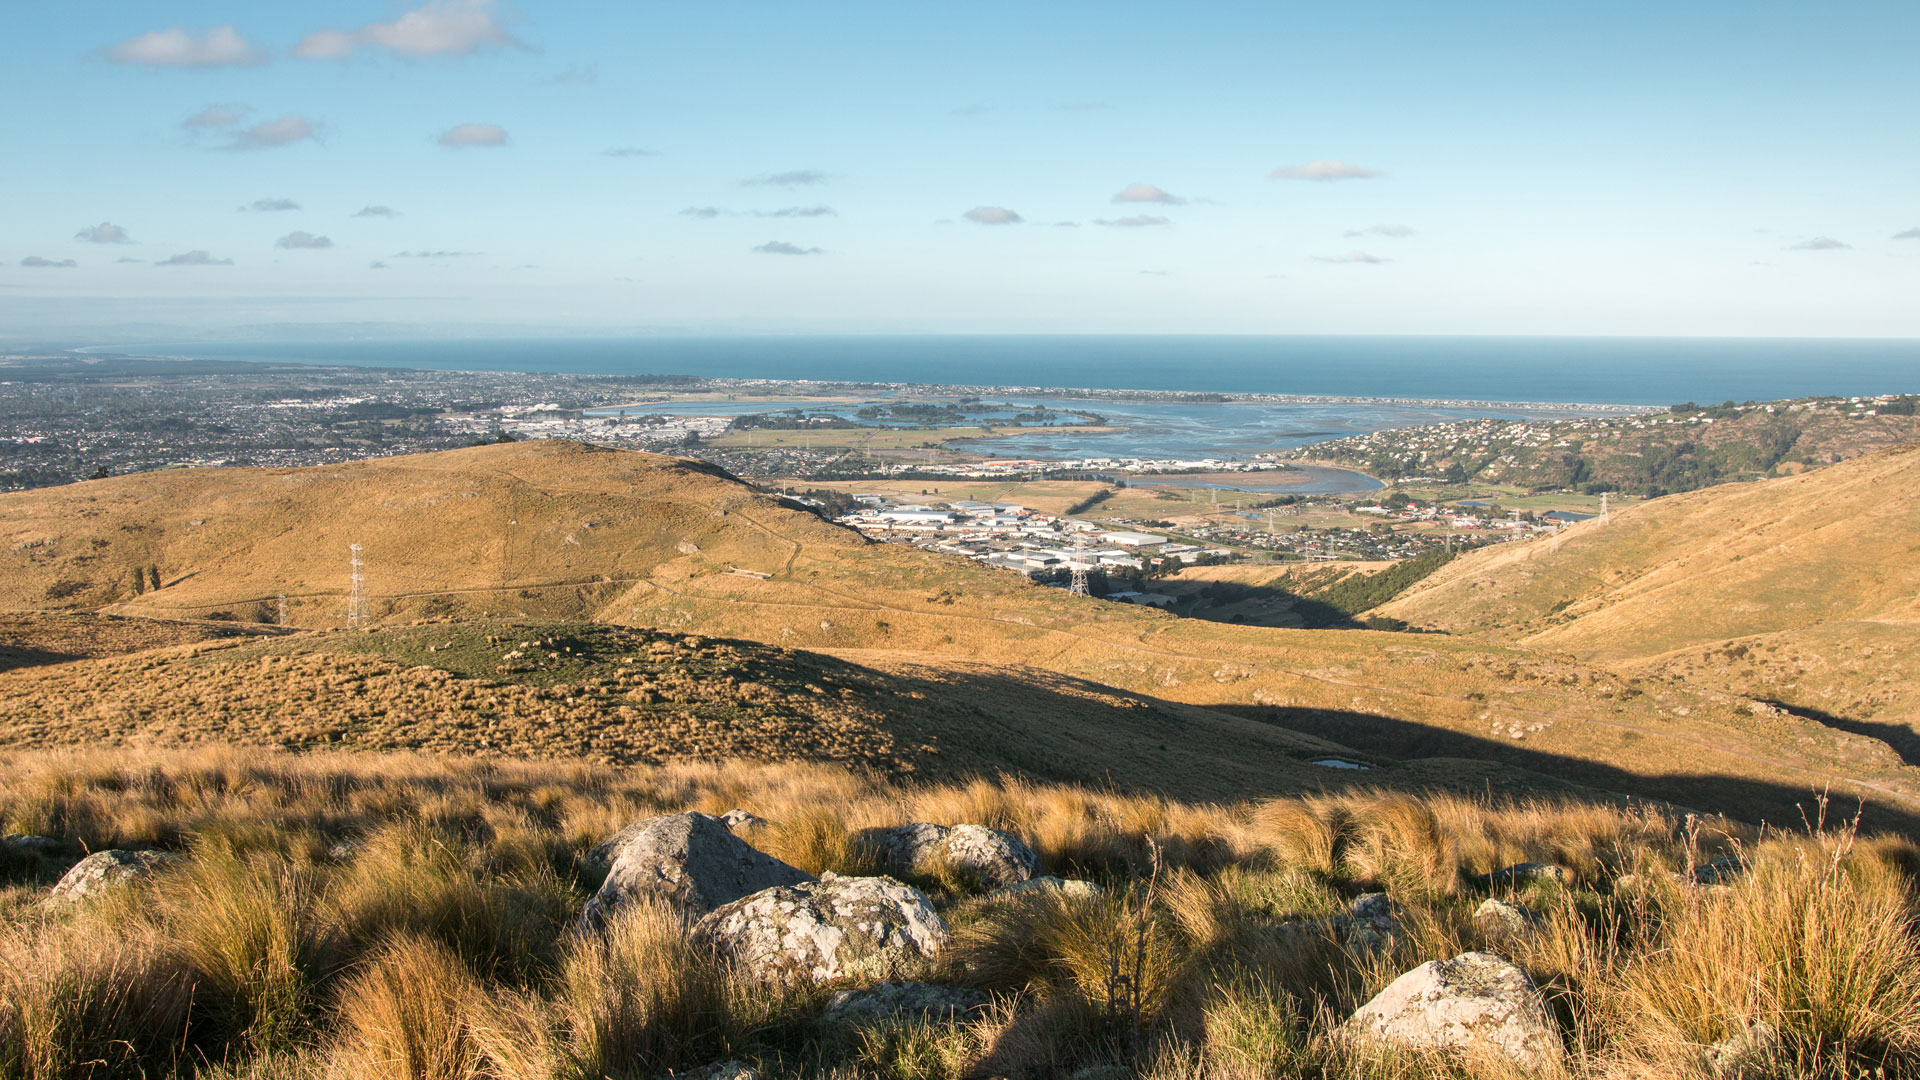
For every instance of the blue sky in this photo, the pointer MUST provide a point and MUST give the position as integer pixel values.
(1490, 168)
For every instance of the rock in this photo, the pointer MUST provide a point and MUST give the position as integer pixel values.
(1103, 1072)
(837, 927)
(344, 850)
(996, 858)
(1719, 871)
(1746, 1055)
(904, 1000)
(719, 1070)
(1070, 888)
(1520, 874)
(692, 861)
(105, 870)
(1369, 924)
(1475, 1003)
(28, 844)
(1504, 922)
(740, 820)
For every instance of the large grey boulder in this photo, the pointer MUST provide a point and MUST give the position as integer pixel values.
(1522, 873)
(995, 858)
(29, 844)
(834, 928)
(691, 861)
(1474, 1004)
(899, 1000)
(106, 870)
(719, 1070)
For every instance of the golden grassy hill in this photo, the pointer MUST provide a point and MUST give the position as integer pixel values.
(555, 530)
(1803, 590)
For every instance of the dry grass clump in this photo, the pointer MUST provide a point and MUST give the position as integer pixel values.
(396, 916)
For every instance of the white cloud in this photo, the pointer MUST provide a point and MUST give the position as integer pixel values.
(629, 151)
(216, 116)
(992, 215)
(303, 241)
(797, 212)
(104, 233)
(1909, 234)
(268, 134)
(790, 178)
(577, 75)
(193, 258)
(1325, 170)
(38, 263)
(177, 46)
(270, 206)
(1360, 257)
(1147, 193)
(432, 254)
(376, 265)
(1382, 230)
(781, 247)
(436, 28)
(126, 259)
(375, 211)
(461, 135)
(706, 212)
(1820, 243)
(1137, 221)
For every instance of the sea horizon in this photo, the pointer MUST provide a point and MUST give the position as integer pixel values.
(1531, 370)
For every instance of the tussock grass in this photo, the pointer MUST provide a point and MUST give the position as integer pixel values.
(401, 916)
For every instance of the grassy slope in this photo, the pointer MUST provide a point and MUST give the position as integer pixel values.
(553, 530)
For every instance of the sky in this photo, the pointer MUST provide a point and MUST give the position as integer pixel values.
(465, 166)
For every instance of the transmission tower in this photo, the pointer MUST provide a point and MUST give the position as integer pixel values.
(283, 609)
(1078, 586)
(1604, 515)
(357, 616)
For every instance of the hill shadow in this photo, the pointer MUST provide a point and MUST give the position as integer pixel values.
(13, 657)
(1742, 798)
(1899, 738)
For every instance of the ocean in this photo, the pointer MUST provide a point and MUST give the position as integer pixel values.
(1624, 371)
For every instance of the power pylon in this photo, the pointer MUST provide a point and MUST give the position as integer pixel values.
(1605, 516)
(1078, 586)
(357, 615)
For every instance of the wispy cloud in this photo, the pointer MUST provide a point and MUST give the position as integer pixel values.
(629, 151)
(797, 212)
(1137, 221)
(376, 265)
(1908, 234)
(38, 263)
(269, 134)
(790, 178)
(375, 211)
(1359, 257)
(707, 213)
(992, 215)
(270, 206)
(972, 110)
(436, 28)
(104, 233)
(179, 47)
(1820, 243)
(1325, 170)
(129, 259)
(1147, 193)
(465, 135)
(216, 116)
(1382, 230)
(577, 75)
(303, 241)
(193, 258)
(1083, 106)
(781, 247)
(433, 254)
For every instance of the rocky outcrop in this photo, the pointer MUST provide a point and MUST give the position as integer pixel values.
(1746, 1055)
(1504, 922)
(691, 861)
(994, 858)
(1369, 924)
(1070, 888)
(904, 1001)
(106, 870)
(834, 928)
(1520, 874)
(1474, 1004)
(742, 820)
(28, 844)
